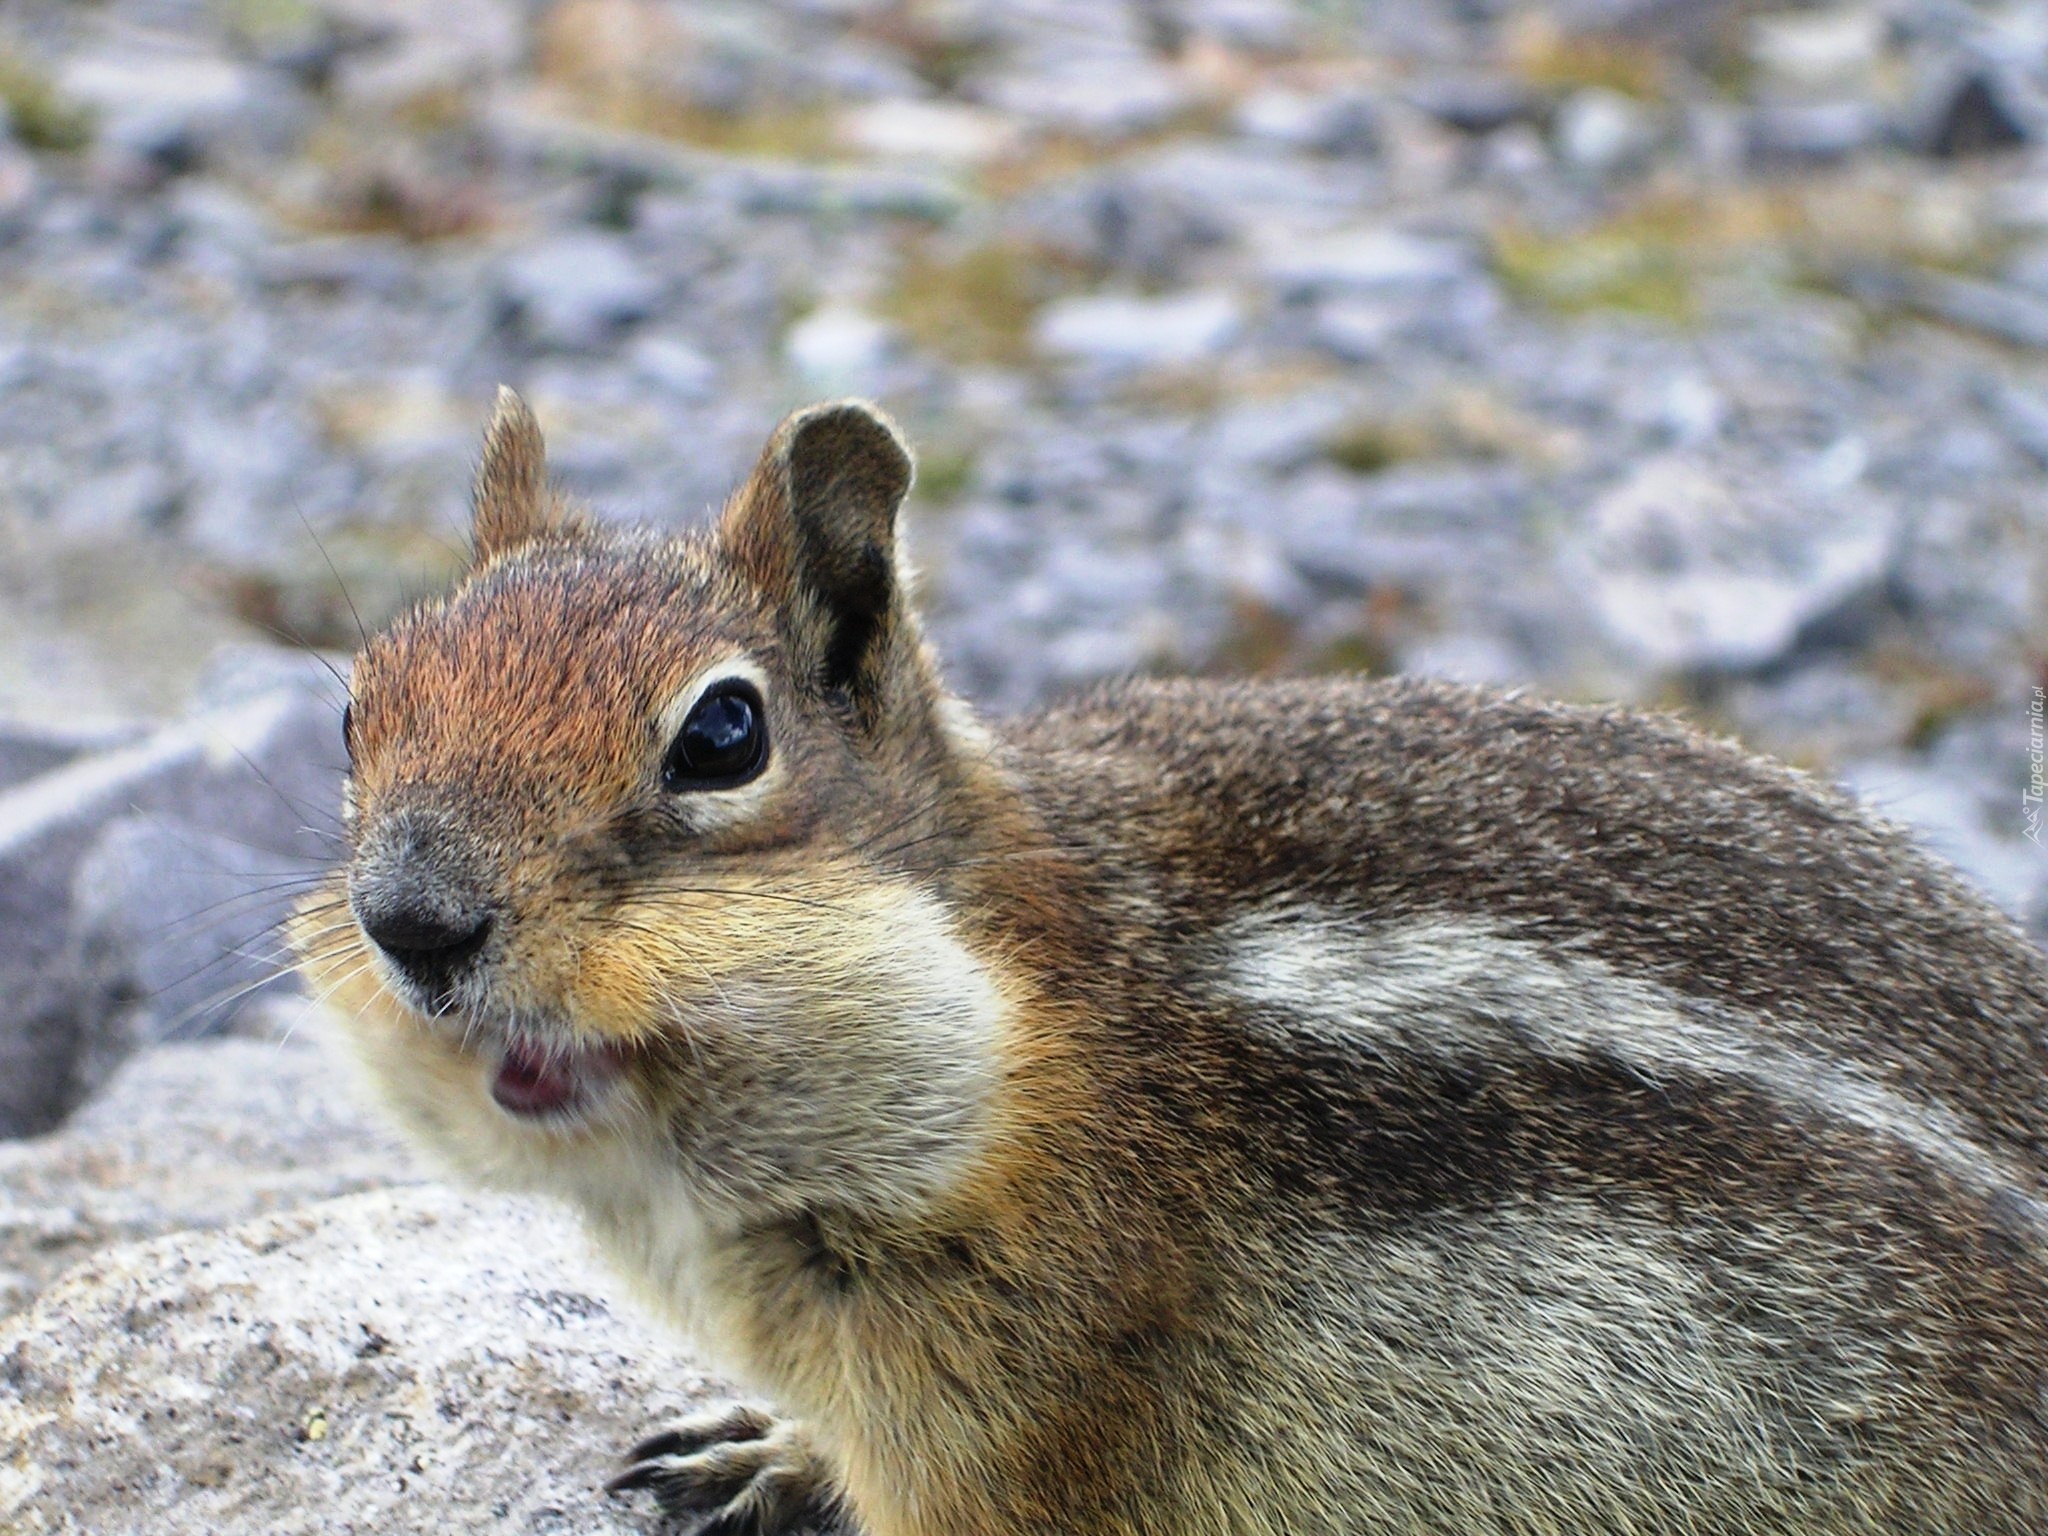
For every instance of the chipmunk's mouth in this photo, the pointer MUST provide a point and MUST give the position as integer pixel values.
(530, 1081)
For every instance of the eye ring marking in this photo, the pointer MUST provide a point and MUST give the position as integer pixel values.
(722, 742)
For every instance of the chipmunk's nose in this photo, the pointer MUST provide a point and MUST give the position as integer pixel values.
(411, 898)
(432, 948)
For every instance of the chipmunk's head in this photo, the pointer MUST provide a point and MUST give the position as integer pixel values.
(649, 838)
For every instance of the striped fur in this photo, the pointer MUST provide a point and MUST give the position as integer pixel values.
(1209, 1110)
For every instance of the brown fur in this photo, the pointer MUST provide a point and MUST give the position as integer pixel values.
(1209, 1109)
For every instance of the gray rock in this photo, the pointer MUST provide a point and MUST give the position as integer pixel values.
(1111, 96)
(1141, 332)
(263, 771)
(1993, 308)
(1476, 103)
(576, 291)
(374, 264)
(675, 366)
(838, 349)
(1813, 131)
(167, 108)
(32, 747)
(1820, 49)
(175, 929)
(1418, 527)
(1324, 123)
(1262, 26)
(1602, 132)
(1974, 111)
(1277, 436)
(1375, 261)
(1150, 219)
(412, 51)
(194, 1135)
(2023, 416)
(394, 1362)
(1359, 330)
(1691, 572)
(949, 132)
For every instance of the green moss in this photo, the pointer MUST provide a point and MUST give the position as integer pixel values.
(1260, 642)
(1565, 62)
(1628, 267)
(977, 306)
(1360, 653)
(944, 474)
(1368, 445)
(261, 22)
(43, 117)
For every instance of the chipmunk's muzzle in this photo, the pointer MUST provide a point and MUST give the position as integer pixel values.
(414, 894)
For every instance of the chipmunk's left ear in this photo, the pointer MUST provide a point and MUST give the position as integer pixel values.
(815, 529)
(510, 501)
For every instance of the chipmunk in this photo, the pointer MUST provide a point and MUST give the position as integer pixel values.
(1199, 1109)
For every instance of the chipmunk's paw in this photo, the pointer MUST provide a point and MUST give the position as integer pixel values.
(736, 1472)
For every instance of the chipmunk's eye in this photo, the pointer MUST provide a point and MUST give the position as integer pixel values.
(348, 730)
(723, 742)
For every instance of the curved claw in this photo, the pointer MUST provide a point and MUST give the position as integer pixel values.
(737, 1472)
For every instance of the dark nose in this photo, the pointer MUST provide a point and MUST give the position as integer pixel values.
(428, 945)
(429, 925)
(417, 891)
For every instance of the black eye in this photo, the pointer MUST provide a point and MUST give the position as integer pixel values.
(723, 742)
(348, 732)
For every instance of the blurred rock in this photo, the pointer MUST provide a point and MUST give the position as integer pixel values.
(1601, 132)
(1813, 131)
(675, 366)
(2023, 414)
(399, 1362)
(836, 349)
(1819, 49)
(947, 131)
(29, 748)
(1974, 112)
(1141, 332)
(1475, 103)
(1368, 261)
(1690, 573)
(1143, 217)
(1107, 98)
(410, 52)
(164, 109)
(576, 292)
(1323, 123)
(175, 929)
(1359, 330)
(194, 1135)
(2008, 313)
(262, 771)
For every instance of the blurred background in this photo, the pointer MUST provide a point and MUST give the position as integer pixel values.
(1690, 352)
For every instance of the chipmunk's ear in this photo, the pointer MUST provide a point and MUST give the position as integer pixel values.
(510, 502)
(815, 528)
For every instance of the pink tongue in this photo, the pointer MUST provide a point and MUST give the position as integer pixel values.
(529, 1083)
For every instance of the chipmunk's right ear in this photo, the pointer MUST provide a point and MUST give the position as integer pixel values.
(510, 502)
(815, 529)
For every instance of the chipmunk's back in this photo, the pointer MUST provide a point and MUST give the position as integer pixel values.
(1657, 1119)
(1626, 842)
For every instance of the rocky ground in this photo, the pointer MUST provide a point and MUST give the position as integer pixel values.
(1687, 351)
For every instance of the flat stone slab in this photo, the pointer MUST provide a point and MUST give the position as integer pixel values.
(199, 1134)
(403, 1361)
